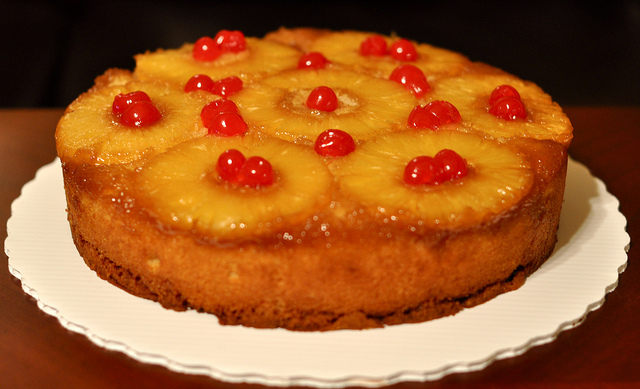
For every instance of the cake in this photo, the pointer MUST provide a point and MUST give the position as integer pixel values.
(313, 180)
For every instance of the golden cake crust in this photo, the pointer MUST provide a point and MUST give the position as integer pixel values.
(323, 271)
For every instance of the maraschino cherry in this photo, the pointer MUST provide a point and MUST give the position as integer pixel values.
(313, 60)
(505, 103)
(199, 82)
(253, 172)
(227, 124)
(322, 98)
(210, 110)
(229, 163)
(227, 86)
(374, 45)
(446, 165)
(403, 50)
(412, 78)
(452, 165)
(230, 41)
(122, 101)
(334, 143)
(433, 115)
(207, 49)
(420, 170)
(503, 91)
(135, 109)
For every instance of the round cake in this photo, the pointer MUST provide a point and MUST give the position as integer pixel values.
(313, 180)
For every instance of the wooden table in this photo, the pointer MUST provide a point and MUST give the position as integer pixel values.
(37, 352)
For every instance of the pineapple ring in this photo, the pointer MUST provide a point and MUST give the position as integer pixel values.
(470, 95)
(367, 106)
(344, 48)
(182, 189)
(89, 132)
(498, 179)
(260, 58)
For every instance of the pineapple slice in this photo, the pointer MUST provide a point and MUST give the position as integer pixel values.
(366, 105)
(344, 48)
(182, 188)
(299, 37)
(498, 178)
(258, 59)
(89, 132)
(470, 95)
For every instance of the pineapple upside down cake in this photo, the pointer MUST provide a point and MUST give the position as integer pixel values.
(314, 180)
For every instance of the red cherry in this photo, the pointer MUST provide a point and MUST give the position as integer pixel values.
(452, 165)
(503, 91)
(227, 86)
(422, 118)
(230, 41)
(227, 124)
(374, 45)
(140, 114)
(421, 170)
(444, 110)
(199, 82)
(312, 60)
(403, 50)
(412, 78)
(229, 164)
(508, 108)
(210, 110)
(323, 98)
(433, 115)
(334, 143)
(255, 172)
(205, 49)
(122, 101)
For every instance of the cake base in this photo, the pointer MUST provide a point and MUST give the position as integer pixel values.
(165, 294)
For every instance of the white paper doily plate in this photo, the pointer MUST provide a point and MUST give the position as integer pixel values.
(590, 255)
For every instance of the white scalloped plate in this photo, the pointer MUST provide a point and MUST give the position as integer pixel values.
(590, 255)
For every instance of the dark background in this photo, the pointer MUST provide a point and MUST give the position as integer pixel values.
(582, 53)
